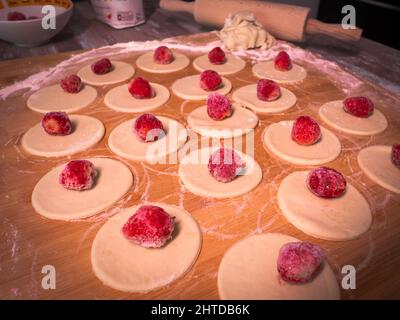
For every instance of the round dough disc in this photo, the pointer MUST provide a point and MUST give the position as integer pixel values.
(87, 131)
(146, 63)
(239, 123)
(267, 70)
(334, 115)
(194, 174)
(376, 163)
(278, 140)
(53, 201)
(121, 71)
(248, 271)
(189, 88)
(338, 219)
(123, 142)
(54, 98)
(232, 65)
(119, 99)
(125, 266)
(247, 96)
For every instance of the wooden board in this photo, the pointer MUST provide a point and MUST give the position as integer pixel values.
(28, 241)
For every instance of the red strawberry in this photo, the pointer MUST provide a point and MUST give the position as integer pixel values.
(148, 128)
(268, 90)
(102, 66)
(71, 84)
(219, 107)
(15, 16)
(78, 175)
(163, 55)
(57, 123)
(140, 88)
(396, 155)
(217, 56)
(306, 131)
(225, 164)
(283, 61)
(326, 182)
(210, 80)
(361, 107)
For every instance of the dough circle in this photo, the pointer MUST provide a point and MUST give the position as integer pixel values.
(87, 131)
(146, 63)
(248, 271)
(53, 201)
(338, 219)
(123, 142)
(239, 123)
(125, 266)
(247, 96)
(267, 70)
(232, 65)
(54, 98)
(334, 115)
(119, 99)
(194, 174)
(189, 88)
(278, 140)
(376, 163)
(121, 71)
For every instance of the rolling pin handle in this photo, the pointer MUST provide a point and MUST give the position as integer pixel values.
(177, 5)
(333, 30)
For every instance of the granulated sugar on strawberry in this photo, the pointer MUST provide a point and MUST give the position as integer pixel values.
(140, 88)
(282, 61)
(101, 66)
(57, 123)
(78, 175)
(396, 155)
(217, 56)
(305, 131)
(210, 80)
(71, 84)
(361, 107)
(15, 16)
(219, 106)
(326, 182)
(148, 128)
(299, 262)
(149, 227)
(225, 164)
(163, 55)
(268, 90)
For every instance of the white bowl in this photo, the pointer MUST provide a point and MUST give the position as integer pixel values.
(29, 33)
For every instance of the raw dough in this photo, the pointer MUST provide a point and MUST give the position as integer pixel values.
(54, 98)
(267, 70)
(119, 99)
(334, 115)
(125, 266)
(189, 88)
(277, 138)
(338, 219)
(194, 174)
(248, 271)
(121, 71)
(146, 63)
(87, 131)
(239, 123)
(53, 201)
(376, 163)
(247, 96)
(123, 142)
(232, 65)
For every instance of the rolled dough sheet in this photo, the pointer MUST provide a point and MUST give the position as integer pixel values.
(248, 271)
(277, 139)
(376, 163)
(232, 65)
(125, 266)
(121, 71)
(87, 131)
(146, 63)
(334, 115)
(119, 99)
(339, 219)
(54, 98)
(267, 70)
(194, 174)
(53, 201)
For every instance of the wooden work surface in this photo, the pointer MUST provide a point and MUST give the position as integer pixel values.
(28, 241)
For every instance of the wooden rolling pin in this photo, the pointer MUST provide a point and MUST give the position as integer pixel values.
(283, 21)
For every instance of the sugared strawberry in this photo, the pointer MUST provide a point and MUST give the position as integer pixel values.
(71, 84)
(396, 155)
(163, 55)
(102, 66)
(299, 262)
(361, 107)
(78, 175)
(149, 227)
(140, 88)
(326, 182)
(282, 61)
(217, 56)
(15, 16)
(268, 90)
(57, 123)
(210, 80)
(148, 128)
(225, 164)
(219, 106)
(305, 131)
